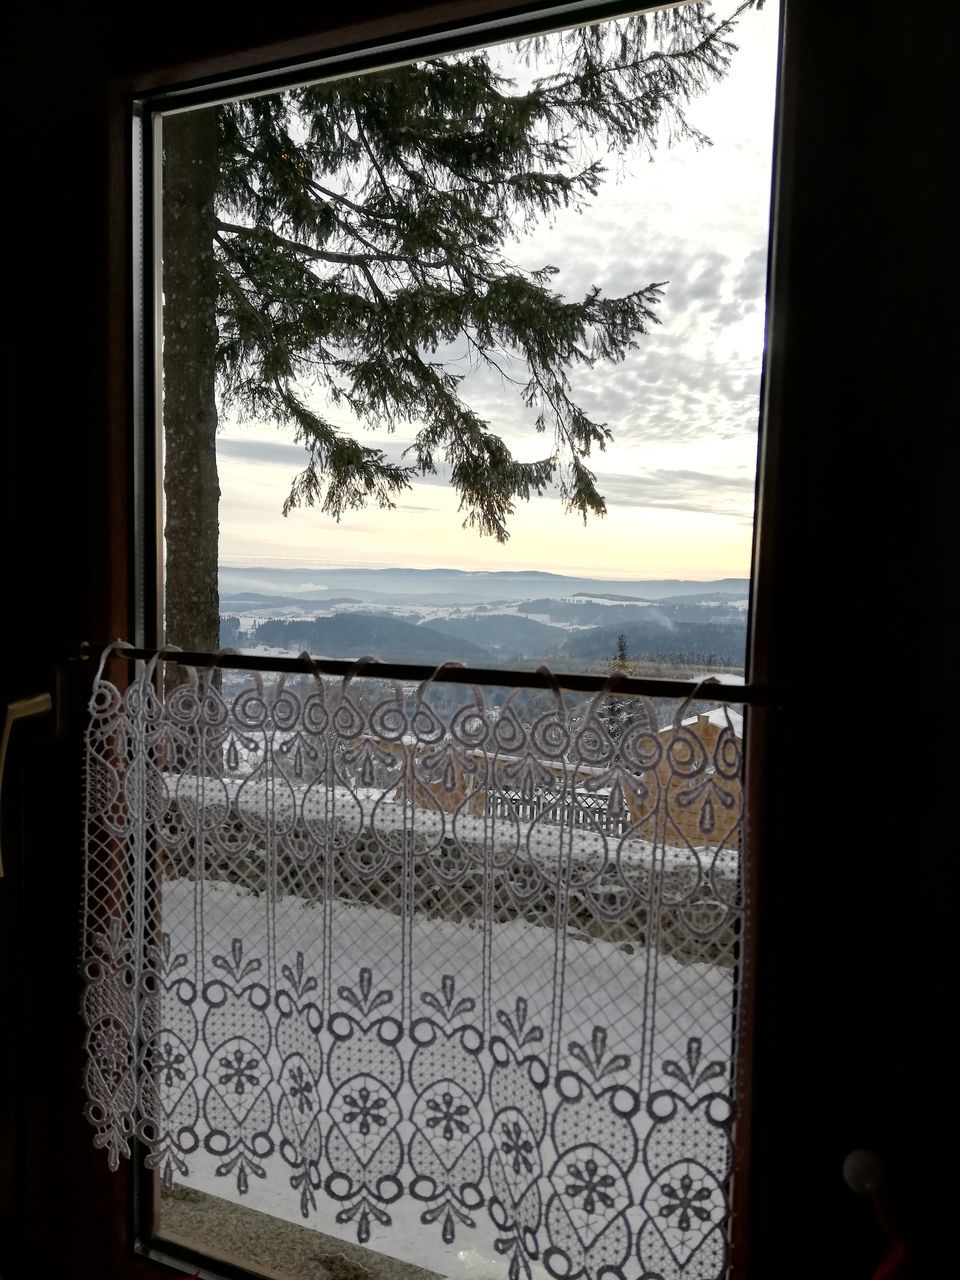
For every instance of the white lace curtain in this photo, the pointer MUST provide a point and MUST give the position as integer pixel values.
(444, 971)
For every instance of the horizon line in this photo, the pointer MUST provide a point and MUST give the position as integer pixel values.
(280, 562)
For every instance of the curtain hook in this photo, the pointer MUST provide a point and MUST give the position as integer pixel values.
(303, 656)
(366, 661)
(691, 696)
(554, 683)
(208, 671)
(604, 692)
(424, 685)
(154, 662)
(110, 649)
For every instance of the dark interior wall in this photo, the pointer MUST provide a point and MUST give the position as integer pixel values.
(855, 969)
(860, 358)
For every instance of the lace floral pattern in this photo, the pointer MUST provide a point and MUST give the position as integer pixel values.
(473, 965)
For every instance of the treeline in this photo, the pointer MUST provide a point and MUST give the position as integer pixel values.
(352, 635)
(684, 643)
(593, 613)
(494, 640)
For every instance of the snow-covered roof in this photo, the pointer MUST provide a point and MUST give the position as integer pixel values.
(719, 717)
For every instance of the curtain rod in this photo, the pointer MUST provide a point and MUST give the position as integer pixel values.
(415, 673)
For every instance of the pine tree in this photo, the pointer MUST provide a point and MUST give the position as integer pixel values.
(619, 713)
(336, 238)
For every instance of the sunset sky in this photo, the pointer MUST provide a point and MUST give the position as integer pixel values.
(683, 408)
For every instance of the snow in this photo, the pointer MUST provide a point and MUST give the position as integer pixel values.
(721, 717)
(604, 985)
(587, 598)
(366, 809)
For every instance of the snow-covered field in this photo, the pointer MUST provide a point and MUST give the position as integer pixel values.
(650, 1005)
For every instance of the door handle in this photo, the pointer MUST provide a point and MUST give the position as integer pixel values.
(39, 705)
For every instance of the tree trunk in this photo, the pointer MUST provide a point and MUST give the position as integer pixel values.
(190, 481)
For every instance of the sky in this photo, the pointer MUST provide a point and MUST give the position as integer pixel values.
(683, 407)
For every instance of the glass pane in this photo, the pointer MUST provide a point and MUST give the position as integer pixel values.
(353, 315)
(461, 361)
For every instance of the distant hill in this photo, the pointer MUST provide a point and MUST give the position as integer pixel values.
(246, 601)
(503, 633)
(350, 635)
(706, 597)
(683, 642)
(588, 611)
(605, 595)
(451, 586)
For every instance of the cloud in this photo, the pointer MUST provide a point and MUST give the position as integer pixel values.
(752, 280)
(681, 490)
(678, 488)
(258, 452)
(694, 376)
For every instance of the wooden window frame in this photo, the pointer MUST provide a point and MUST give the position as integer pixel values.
(341, 50)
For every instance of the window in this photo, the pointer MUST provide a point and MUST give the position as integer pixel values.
(820, 1109)
(297, 240)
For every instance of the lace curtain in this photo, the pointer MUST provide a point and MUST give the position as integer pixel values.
(447, 971)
